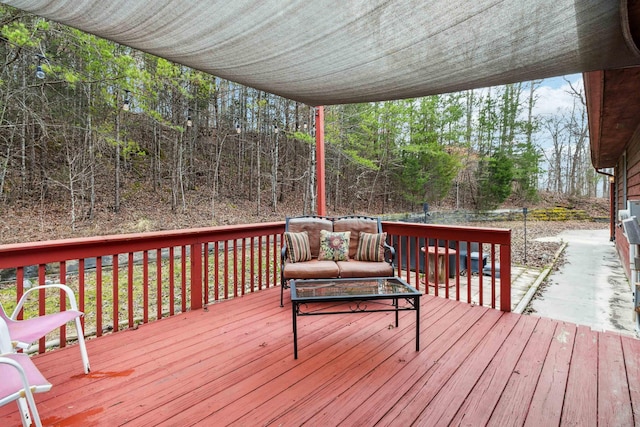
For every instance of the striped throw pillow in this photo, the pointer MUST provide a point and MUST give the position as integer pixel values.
(371, 247)
(297, 246)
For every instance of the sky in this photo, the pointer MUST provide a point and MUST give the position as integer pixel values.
(553, 96)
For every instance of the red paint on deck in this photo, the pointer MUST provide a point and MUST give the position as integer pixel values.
(105, 374)
(233, 364)
(85, 418)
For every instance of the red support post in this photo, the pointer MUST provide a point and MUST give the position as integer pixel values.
(321, 197)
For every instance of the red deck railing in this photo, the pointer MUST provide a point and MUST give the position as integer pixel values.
(463, 247)
(123, 280)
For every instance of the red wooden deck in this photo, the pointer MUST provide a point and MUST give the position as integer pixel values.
(233, 364)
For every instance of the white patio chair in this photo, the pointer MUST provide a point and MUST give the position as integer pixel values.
(24, 332)
(20, 379)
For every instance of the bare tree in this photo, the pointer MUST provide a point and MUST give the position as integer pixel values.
(555, 127)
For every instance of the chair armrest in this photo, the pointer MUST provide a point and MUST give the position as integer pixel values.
(6, 345)
(67, 290)
(388, 249)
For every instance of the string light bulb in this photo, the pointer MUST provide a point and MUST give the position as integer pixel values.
(40, 74)
(125, 106)
(238, 130)
(189, 122)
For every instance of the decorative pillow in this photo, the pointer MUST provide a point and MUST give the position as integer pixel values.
(297, 246)
(334, 246)
(371, 247)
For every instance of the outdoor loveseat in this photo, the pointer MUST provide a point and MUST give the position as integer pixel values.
(317, 247)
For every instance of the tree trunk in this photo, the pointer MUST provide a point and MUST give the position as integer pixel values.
(274, 170)
(116, 201)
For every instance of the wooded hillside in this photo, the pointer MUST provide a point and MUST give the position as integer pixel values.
(90, 126)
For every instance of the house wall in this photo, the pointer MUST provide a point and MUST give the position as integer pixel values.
(622, 245)
(620, 173)
(627, 187)
(633, 170)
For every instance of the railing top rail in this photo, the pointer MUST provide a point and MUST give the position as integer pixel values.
(500, 236)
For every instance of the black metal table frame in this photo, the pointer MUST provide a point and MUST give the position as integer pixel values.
(413, 299)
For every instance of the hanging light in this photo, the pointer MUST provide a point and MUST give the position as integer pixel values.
(125, 106)
(39, 71)
(189, 122)
(275, 128)
(238, 130)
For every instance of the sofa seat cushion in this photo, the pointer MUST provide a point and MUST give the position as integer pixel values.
(353, 268)
(313, 269)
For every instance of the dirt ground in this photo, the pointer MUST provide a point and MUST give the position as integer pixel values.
(145, 212)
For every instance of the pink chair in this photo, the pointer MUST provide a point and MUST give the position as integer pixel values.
(20, 379)
(24, 332)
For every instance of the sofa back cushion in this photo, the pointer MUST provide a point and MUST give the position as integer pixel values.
(356, 225)
(312, 226)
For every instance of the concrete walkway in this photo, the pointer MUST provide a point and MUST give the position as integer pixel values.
(590, 288)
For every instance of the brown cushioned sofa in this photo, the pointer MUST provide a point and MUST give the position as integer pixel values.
(317, 247)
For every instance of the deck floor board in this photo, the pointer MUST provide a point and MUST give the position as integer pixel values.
(614, 404)
(581, 399)
(232, 364)
(546, 405)
(631, 350)
(524, 377)
(451, 396)
(451, 355)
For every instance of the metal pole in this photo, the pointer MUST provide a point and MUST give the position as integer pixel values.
(524, 212)
(612, 208)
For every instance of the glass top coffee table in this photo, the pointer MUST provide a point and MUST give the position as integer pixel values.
(311, 297)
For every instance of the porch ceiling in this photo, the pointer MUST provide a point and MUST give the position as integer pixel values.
(613, 105)
(334, 51)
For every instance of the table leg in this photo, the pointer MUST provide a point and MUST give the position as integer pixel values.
(295, 329)
(416, 302)
(395, 302)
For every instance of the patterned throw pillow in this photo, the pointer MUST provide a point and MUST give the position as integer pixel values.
(371, 247)
(297, 246)
(334, 246)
